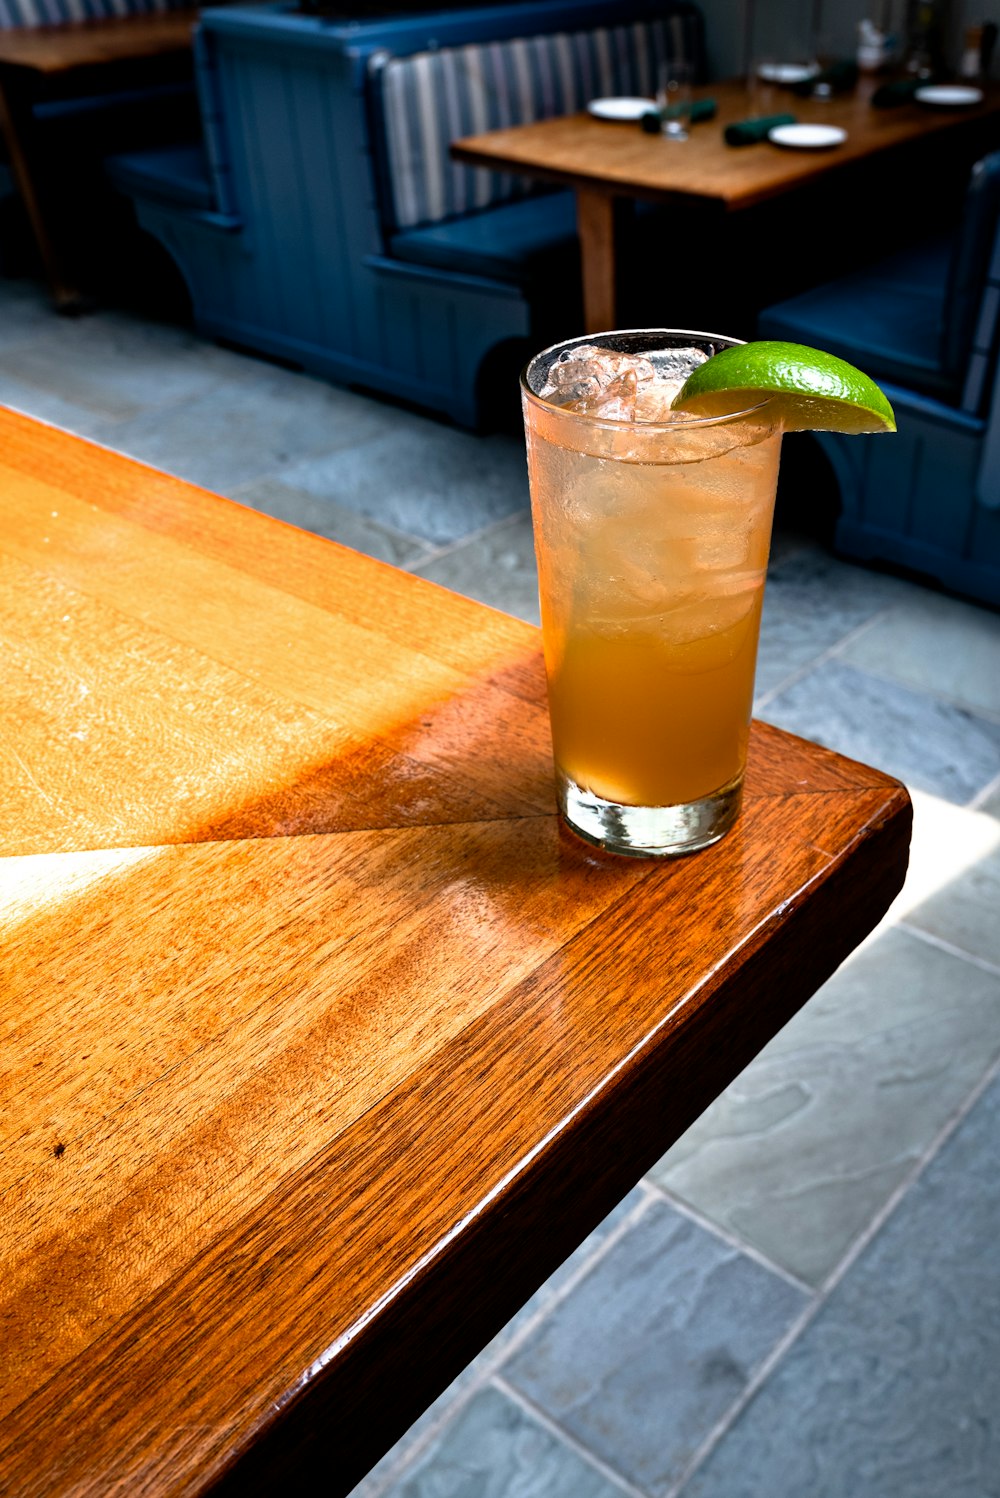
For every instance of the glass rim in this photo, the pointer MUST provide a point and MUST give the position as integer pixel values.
(616, 424)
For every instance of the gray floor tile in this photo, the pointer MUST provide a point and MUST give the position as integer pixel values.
(966, 912)
(254, 427)
(328, 518)
(45, 405)
(936, 644)
(950, 889)
(497, 568)
(25, 313)
(423, 478)
(494, 1449)
(811, 602)
(894, 1390)
(925, 742)
(374, 1484)
(802, 1151)
(117, 366)
(652, 1347)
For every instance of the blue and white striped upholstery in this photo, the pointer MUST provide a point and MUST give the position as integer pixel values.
(33, 13)
(431, 98)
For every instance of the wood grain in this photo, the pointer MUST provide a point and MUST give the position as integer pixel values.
(616, 161)
(49, 50)
(322, 1042)
(579, 150)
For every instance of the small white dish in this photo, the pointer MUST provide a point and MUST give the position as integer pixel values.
(807, 137)
(949, 95)
(620, 109)
(787, 72)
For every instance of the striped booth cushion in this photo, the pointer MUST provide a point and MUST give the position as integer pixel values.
(33, 13)
(431, 98)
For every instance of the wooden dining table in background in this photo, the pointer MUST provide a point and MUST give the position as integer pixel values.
(611, 164)
(74, 57)
(323, 1043)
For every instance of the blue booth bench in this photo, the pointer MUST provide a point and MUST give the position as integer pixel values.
(925, 323)
(321, 219)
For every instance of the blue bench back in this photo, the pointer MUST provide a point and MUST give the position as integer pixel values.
(424, 100)
(972, 308)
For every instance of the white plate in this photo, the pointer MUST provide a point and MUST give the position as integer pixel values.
(621, 109)
(950, 95)
(807, 137)
(787, 72)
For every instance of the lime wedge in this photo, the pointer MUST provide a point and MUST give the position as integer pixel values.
(813, 391)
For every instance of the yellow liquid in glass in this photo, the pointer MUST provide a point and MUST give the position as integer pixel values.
(651, 579)
(680, 712)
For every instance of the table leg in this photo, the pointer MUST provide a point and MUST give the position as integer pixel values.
(597, 215)
(16, 126)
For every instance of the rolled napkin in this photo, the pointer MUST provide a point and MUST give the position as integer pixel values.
(748, 132)
(701, 109)
(899, 91)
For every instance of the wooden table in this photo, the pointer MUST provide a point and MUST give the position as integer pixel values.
(323, 1044)
(607, 164)
(84, 55)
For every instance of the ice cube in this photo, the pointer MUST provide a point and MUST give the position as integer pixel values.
(670, 368)
(721, 550)
(587, 378)
(721, 620)
(616, 402)
(570, 380)
(653, 403)
(675, 364)
(583, 372)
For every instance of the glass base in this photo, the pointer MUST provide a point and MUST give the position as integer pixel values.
(649, 831)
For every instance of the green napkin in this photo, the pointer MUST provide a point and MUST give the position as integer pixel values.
(900, 91)
(748, 132)
(701, 109)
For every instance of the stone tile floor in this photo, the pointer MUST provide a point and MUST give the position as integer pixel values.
(803, 1297)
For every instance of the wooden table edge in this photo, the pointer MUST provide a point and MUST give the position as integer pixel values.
(50, 50)
(486, 1251)
(438, 1315)
(758, 986)
(320, 1430)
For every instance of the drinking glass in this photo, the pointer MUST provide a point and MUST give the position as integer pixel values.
(652, 533)
(673, 98)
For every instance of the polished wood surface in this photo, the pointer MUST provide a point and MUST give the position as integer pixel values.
(580, 150)
(603, 160)
(323, 1044)
(87, 44)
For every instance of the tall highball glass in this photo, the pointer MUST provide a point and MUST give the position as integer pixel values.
(652, 532)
